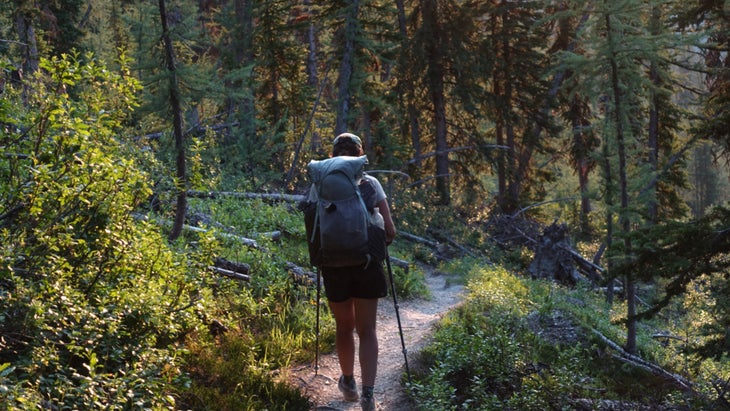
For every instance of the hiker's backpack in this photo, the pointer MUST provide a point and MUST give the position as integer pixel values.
(343, 231)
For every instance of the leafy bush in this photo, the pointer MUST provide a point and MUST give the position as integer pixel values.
(517, 344)
(94, 301)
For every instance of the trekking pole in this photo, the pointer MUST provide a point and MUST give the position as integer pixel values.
(316, 338)
(397, 314)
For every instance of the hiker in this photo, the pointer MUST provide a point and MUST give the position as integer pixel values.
(353, 292)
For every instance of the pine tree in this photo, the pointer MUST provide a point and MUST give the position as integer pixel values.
(614, 79)
(683, 254)
(704, 180)
(177, 124)
(348, 35)
(519, 97)
(709, 20)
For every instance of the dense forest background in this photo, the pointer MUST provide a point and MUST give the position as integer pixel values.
(127, 127)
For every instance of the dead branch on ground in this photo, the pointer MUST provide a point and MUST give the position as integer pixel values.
(639, 362)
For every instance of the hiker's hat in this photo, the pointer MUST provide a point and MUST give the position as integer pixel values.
(347, 136)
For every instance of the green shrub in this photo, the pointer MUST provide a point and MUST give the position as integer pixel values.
(94, 301)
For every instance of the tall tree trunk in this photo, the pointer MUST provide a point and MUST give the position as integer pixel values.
(608, 176)
(582, 147)
(311, 68)
(499, 121)
(177, 127)
(624, 221)
(346, 67)
(244, 57)
(405, 89)
(27, 37)
(435, 80)
(653, 137)
(514, 185)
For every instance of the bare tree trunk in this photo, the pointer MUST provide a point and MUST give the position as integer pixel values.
(245, 57)
(26, 34)
(609, 220)
(623, 184)
(583, 164)
(514, 184)
(406, 89)
(653, 138)
(312, 73)
(177, 127)
(27, 37)
(499, 129)
(438, 100)
(346, 67)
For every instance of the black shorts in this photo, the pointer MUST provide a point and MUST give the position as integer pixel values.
(342, 283)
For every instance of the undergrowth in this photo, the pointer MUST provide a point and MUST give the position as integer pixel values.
(270, 321)
(521, 344)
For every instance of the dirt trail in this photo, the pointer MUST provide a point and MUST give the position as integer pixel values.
(417, 317)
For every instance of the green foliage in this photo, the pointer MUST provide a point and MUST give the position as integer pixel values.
(688, 257)
(82, 333)
(410, 283)
(97, 310)
(528, 345)
(227, 377)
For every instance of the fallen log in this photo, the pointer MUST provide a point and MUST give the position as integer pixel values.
(230, 274)
(639, 362)
(275, 197)
(243, 240)
(417, 239)
(241, 268)
(669, 337)
(400, 263)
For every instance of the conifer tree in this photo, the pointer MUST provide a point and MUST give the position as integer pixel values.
(177, 124)
(176, 82)
(638, 127)
(663, 128)
(576, 110)
(709, 19)
(444, 62)
(240, 68)
(517, 83)
(26, 27)
(348, 36)
(704, 180)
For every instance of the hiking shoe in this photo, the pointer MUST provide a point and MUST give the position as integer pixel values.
(348, 390)
(367, 403)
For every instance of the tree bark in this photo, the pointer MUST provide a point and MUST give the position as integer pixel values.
(624, 221)
(243, 57)
(405, 89)
(312, 73)
(653, 135)
(177, 127)
(435, 80)
(584, 164)
(26, 35)
(346, 68)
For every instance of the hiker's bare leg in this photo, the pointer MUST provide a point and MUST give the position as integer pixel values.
(344, 313)
(366, 311)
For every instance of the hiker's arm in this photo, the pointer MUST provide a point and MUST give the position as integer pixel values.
(389, 225)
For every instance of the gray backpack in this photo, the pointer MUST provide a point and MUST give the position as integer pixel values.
(342, 221)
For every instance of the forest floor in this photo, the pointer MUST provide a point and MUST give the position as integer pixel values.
(417, 317)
